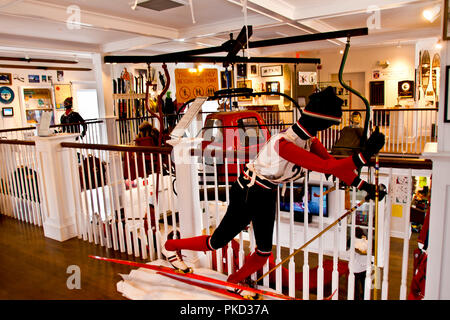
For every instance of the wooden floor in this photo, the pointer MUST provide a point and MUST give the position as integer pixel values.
(34, 267)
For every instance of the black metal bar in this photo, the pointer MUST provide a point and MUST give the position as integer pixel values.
(206, 59)
(240, 42)
(192, 55)
(310, 37)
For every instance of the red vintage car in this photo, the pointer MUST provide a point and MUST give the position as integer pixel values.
(232, 135)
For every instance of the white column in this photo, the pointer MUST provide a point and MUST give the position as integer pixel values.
(111, 130)
(56, 182)
(188, 197)
(104, 86)
(437, 285)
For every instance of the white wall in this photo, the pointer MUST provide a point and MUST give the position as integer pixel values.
(18, 119)
(401, 67)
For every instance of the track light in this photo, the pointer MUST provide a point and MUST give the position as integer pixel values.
(432, 13)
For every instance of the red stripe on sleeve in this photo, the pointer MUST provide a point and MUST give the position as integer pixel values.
(343, 169)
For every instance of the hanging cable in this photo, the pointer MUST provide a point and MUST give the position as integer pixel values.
(192, 11)
(244, 10)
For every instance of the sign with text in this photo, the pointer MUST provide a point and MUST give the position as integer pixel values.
(191, 84)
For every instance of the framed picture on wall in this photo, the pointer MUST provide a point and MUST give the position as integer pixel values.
(273, 86)
(253, 70)
(271, 71)
(244, 84)
(5, 79)
(447, 102)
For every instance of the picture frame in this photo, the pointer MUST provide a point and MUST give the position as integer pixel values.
(8, 112)
(223, 79)
(253, 70)
(34, 78)
(5, 79)
(241, 70)
(244, 84)
(446, 31)
(447, 103)
(271, 71)
(273, 86)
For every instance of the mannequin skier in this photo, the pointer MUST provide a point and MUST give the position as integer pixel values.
(284, 158)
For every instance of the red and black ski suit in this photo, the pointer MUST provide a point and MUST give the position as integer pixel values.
(253, 195)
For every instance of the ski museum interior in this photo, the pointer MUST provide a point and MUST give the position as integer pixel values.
(224, 150)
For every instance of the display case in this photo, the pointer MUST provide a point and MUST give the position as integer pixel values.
(36, 100)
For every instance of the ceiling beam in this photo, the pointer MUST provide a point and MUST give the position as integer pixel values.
(317, 9)
(130, 44)
(269, 9)
(205, 59)
(89, 20)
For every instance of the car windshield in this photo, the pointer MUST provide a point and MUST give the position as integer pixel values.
(212, 132)
(250, 132)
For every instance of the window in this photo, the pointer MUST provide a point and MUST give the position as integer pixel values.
(250, 132)
(212, 132)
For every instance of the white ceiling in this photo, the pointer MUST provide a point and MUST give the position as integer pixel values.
(113, 27)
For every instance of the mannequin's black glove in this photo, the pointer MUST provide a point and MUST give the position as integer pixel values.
(373, 145)
(370, 189)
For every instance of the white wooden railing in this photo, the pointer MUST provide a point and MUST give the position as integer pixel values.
(117, 190)
(407, 130)
(20, 190)
(95, 131)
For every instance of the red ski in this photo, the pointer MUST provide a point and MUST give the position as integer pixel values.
(168, 270)
(204, 286)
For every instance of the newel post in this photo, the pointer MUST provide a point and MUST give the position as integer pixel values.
(188, 197)
(56, 184)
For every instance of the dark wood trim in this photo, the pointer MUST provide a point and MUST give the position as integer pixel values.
(121, 147)
(386, 162)
(19, 142)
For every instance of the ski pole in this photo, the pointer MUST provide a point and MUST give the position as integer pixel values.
(314, 238)
(326, 192)
(377, 196)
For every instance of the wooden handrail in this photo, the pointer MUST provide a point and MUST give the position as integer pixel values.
(120, 147)
(19, 142)
(87, 122)
(384, 161)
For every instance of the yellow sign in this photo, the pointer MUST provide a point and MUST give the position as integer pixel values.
(192, 83)
(62, 92)
(397, 210)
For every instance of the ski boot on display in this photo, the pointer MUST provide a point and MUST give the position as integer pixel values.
(176, 260)
(246, 294)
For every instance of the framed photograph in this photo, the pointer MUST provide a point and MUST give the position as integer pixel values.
(224, 80)
(447, 103)
(271, 71)
(273, 86)
(34, 78)
(244, 84)
(7, 112)
(5, 79)
(253, 70)
(446, 31)
(307, 78)
(241, 70)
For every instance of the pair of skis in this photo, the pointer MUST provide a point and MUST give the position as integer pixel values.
(193, 279)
